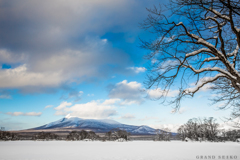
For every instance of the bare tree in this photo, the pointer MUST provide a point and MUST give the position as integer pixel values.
(163, 134)
(233, 135)
(108, 135)
(73, 136)
(182, 132)
(76, 135)
(118, 134)
(195, 40)
(45, 136)
(92, 135)
(5, 135)
(200, 129)
(211, 128)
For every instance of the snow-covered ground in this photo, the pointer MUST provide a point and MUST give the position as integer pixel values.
(134, 150)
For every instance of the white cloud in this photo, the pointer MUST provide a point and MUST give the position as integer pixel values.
(90, 95)
(165, 65)
(146, 118)
(128, 116)
(215, 95)
(111, 101)
(129, 93)
(157, 93)
(5, 96)
(61, 67)
(63, 105)
(33, 114)
(154, 61)
(137, 69)
(181, 110)
(172, 127)
(206, 87)
(90, 110)
(48, 106)
(9, 57)
(61, 113)
(232, 124)
(220, 105)
(54, 42)
(24, 114)
(104, 40)
(76, 95)
(133, 93)
(15, 113)
(21, 77)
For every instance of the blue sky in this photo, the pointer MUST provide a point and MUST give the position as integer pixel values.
(81, 58)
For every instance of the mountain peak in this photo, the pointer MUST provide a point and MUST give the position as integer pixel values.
(69, 116)
(109, 121)
(96, 125)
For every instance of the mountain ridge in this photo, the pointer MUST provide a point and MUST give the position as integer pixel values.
(96, 125)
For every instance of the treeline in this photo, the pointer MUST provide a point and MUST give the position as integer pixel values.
(115, 134)
(45, 136)
(163, 135)
(8, 136)
(206, 129)
(76, 136)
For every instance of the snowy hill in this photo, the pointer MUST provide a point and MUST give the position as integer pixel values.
(99, 126)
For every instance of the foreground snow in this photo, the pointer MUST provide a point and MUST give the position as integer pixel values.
(135, 150)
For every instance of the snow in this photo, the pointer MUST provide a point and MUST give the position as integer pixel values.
(144, 129)
(109, 121)
(197, 52)
(120, 140)
(69, 116)
(87, 140)
(202, 83)
(180, 23)
(103, 125)
(234, 53)
(96, 150)
(237, 29)
(219, 14)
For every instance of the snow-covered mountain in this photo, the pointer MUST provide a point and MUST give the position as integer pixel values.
(96, 125)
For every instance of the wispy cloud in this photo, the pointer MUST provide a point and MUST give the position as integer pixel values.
(76, 95)
(158, 93)
(181, 110)
(63, 105)
(137, 69)
(93, 110)
(5, 96)
(172, 127)
(128, 116)
(206, 87)
(48, 106)
(146, 118)
(24, 114)
(128, 92)
(111, 101)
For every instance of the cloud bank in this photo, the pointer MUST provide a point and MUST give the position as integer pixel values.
(129, 93)
(90, 110)
(48, 44)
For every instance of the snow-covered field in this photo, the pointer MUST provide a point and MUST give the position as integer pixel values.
(134, 150)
